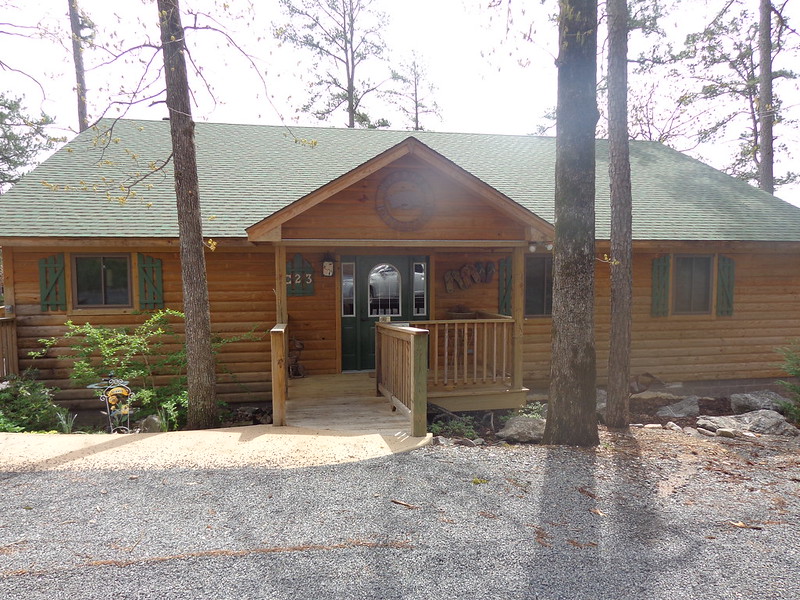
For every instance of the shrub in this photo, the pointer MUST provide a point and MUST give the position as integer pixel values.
(462, 427)
(26, 404)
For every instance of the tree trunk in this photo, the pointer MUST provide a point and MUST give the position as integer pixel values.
(619, 169)
(766, 110)
(571, 415)
(199, 355)
(77, 55)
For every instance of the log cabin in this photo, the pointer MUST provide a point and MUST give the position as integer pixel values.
(424, 258)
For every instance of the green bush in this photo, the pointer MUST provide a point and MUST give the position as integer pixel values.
(791, 364)
(150, 357)
(26, 404)
(461, 427)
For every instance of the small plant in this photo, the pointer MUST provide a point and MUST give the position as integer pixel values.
(66, 421)
(534, 410)
(459, 427)
(27, 404)
(791, 357)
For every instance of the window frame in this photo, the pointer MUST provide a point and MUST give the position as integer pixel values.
(548, 264)
(675, 287)
(102, 255)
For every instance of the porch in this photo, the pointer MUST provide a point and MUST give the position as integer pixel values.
(460, 365)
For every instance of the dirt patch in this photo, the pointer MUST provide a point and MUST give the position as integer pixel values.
(644, 409)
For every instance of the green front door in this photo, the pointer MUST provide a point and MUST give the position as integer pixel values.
(374, 287)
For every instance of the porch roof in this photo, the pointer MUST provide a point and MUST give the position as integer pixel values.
(249, 172)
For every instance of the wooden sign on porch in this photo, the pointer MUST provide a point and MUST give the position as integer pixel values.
(299, 277)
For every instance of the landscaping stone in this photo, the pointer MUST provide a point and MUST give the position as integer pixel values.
(440, 440)
(150, 424)
(674, 426)
(765, 399)
(653, 426)
(466, 442)
(727, 433)
(688, 407)
(523, 430)
(758, 421)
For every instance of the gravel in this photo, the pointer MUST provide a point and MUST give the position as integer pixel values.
(655, 516)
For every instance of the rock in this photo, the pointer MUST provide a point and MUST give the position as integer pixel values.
(151, 424)
(466, 442)
(523, 429)
(653, 426)
(691, 431)
(688, 407)
(674, 426)
(765, 399)
(727, 433)
(758, 421)
(704, 431)
(440, 440)
(637, 425)
(479, 441)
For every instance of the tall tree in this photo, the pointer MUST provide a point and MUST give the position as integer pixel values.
(343, 35)
(413, 92)
(619, 168)
(202, 412)
(571, 417)
(766, 116)
(714, 86)
(22, 139)
(78, 24)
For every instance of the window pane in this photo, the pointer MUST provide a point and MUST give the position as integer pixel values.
(538, 285)
(692, 291)
(384, 291)
(89, 282)
(102, 281)
(420, 295)
(348, 290)
(116, 280)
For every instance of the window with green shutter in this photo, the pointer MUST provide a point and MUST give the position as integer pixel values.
(52, 283)
(151, 286)
(659, 300)
(725, 278)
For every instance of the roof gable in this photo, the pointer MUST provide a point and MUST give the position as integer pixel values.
(265, 229)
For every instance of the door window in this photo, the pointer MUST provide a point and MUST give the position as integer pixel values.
(384, 290)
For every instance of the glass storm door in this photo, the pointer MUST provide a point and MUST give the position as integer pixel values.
(375, 287)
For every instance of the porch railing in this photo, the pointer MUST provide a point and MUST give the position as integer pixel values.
(279, 344)
(401, 371)
(9, 363)
(470, 351)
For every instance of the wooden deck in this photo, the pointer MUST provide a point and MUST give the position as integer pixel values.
(348, 402)
(342, 402)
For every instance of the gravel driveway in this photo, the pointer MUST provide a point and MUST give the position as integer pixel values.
(653, 516)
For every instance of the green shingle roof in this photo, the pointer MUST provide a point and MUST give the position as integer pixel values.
(248, 172)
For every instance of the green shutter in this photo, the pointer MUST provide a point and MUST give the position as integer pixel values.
(504, 286)
(299, 277)
(725, 278)
(52, 283)
(151, 283)
(659, 303)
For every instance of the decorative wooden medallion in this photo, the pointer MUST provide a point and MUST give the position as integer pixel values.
(404, 200)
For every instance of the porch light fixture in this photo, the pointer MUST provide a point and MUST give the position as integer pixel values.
(549, 246)
(532, 247)
(327, 265)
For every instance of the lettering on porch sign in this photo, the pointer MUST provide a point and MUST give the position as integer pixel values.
(299, 277)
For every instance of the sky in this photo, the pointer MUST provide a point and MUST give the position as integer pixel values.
(487, 78)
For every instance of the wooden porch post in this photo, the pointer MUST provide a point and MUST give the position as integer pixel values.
(518, 313)
(279, 343)
(419, 395)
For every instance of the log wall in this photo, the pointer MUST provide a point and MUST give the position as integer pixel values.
(682, 348)
(242, 305)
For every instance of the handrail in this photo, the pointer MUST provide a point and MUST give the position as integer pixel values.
(9, 360)
(470, 351)
(279, 349)
(401, 371)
